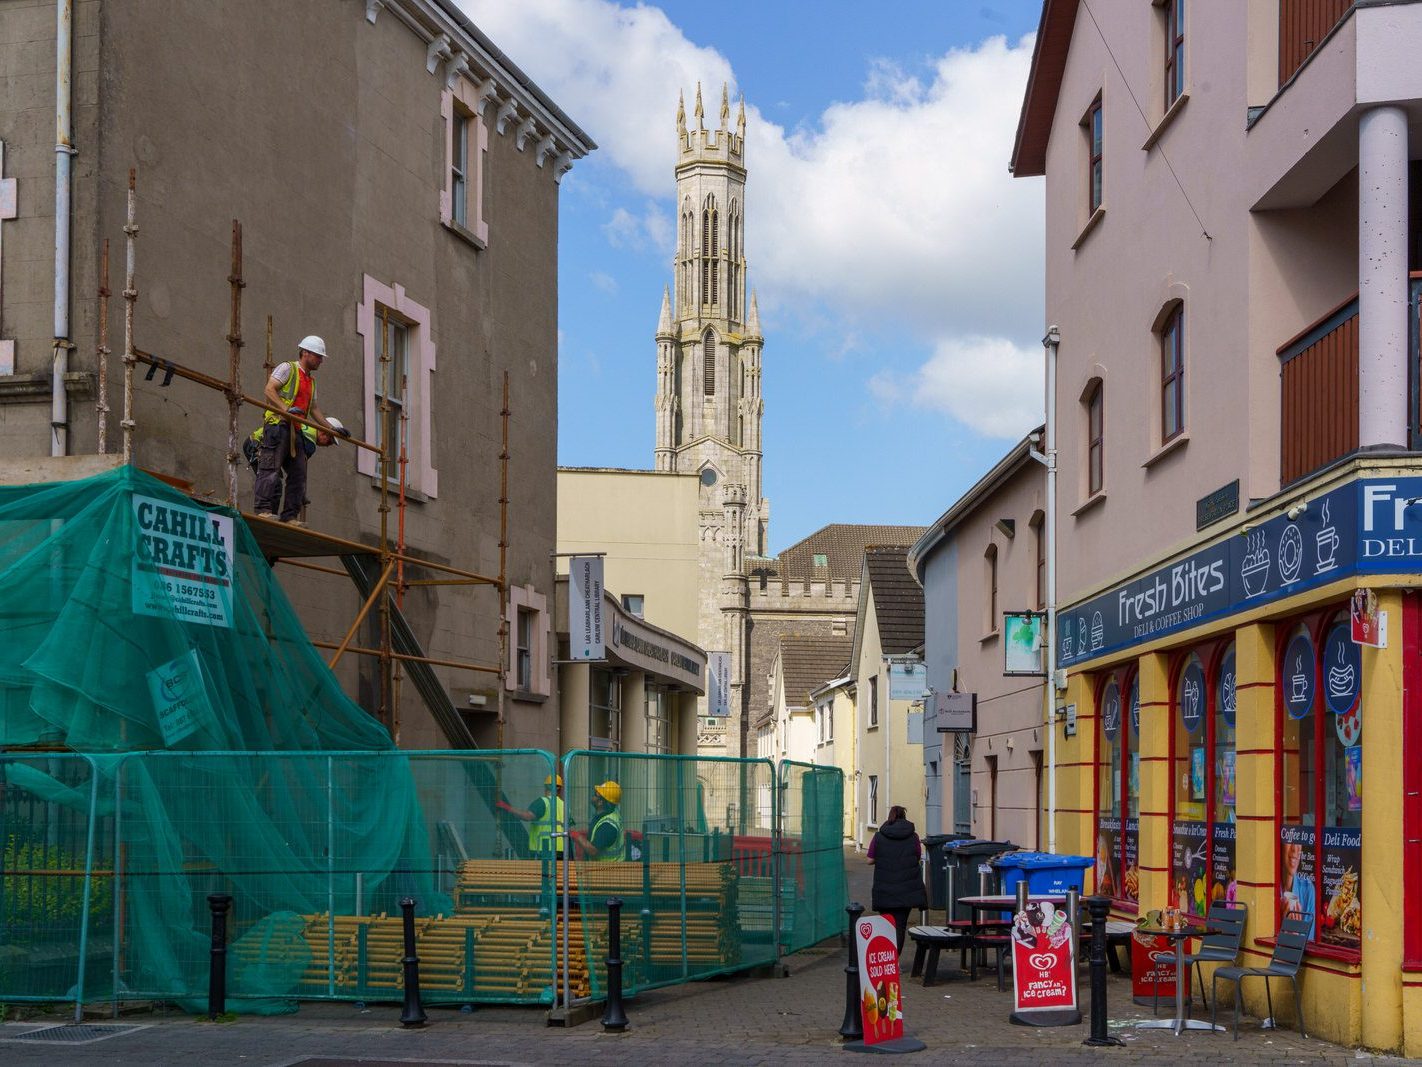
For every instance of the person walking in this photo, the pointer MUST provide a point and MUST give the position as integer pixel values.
(545, 818)
(894, 853)
(605, 840)
(281, 456)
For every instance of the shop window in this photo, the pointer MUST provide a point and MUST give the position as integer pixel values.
(1119, 786)
(1321, 806)
(1202, 839)
(659, 725)
(604, 710)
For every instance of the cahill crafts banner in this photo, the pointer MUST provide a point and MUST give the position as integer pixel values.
(182, 562)
(1043, 961)
(880, 998)
(1364, 527)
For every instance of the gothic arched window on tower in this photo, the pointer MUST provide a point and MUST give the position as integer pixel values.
(708, 356)
(715, 257)
(733, 272)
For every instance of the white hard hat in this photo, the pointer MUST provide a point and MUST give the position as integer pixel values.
(337, 425)
(312, 343)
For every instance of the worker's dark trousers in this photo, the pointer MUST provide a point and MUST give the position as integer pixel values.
(274, 460)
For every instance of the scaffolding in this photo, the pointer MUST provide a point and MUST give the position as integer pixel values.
(378, 571)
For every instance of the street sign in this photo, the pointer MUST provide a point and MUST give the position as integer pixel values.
(585, 640)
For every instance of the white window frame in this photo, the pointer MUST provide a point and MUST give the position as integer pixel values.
(462, 100)
(873, 800)
(657, 708)
(421, 476)
(613, 711)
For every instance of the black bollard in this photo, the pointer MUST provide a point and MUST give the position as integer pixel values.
(614, 1018)
(414, 1012)
(1099, 907)
(217, 966)
(852, 1029)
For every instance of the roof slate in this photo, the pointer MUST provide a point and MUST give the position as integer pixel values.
(843, 545)
(898, 599)
(806, 663)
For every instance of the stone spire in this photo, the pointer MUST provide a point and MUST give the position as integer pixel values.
(664, 323)
(753, 320)
(741, 118)
(681, 115)
(725, 107)
(700, 111)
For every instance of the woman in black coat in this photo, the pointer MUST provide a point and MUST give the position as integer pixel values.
(894, 854)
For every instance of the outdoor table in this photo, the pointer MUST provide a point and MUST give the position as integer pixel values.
(996, 902)
(1180, 1022)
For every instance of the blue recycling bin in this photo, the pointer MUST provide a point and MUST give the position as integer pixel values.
(1045, 872)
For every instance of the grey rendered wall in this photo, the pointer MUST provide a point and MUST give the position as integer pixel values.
(940, 652)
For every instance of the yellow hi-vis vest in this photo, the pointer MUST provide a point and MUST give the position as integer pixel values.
(541, 831)
(613, 851)
(288, 391)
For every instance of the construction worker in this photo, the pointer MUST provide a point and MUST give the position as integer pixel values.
(545, 817)
(605, 840)
(281, 456)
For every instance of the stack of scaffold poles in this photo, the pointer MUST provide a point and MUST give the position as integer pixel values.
(501, 942)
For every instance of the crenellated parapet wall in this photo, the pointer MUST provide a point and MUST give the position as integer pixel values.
(802, 594)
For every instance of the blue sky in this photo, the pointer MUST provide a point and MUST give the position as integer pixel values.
(898, 264)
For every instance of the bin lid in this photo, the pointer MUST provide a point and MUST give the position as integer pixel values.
(939, 839)
(1038, 861)
(974, 847)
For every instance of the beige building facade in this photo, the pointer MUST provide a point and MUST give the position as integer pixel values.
(387, 163)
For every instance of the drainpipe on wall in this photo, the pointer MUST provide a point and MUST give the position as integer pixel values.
(1050, 343)
(63, 185)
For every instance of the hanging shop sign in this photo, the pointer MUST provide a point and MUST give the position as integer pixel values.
(1369, 625)
(1226, 697)
(1300, 677)
(718, 684)
(1044, 967)
(585, 639)
(880, 998)
(1192, 696)
(907, 681)
(1369, 526)
(183, 564)
(954, 712)
(1023, 637)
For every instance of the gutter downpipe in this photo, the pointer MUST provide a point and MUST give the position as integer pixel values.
(63, 186)
(1050, 343)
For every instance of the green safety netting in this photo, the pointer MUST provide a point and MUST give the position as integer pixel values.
(136, 619)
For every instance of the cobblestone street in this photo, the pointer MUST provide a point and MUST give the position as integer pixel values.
(741, 1021)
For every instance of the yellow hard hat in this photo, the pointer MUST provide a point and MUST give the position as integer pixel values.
(552, 778)
(609, 791)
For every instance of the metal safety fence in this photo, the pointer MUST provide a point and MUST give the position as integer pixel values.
(108, 861)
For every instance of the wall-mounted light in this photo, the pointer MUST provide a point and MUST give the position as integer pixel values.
(1298, 509)
(1006, 527)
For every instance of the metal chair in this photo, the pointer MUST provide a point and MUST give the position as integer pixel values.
(1220, 947)
(1285, 963)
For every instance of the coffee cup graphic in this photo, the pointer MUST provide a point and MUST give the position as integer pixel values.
(1298, 684)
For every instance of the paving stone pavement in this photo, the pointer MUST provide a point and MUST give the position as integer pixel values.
(737, 1021)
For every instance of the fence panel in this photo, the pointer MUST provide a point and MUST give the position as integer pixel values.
(692, 866)
(56, 914)
(811, 854)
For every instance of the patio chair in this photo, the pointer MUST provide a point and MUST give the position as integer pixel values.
(1285, 963)
(1222, 947)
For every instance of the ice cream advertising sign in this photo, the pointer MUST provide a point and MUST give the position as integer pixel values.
(1043, 962)
(880, 999)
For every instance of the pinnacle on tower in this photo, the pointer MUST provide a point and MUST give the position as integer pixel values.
(700, 111)
(664, 323)
(725, 107)
(753, 320)
(681, 114)
(741, 118)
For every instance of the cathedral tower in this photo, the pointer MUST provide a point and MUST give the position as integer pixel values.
(708, 400)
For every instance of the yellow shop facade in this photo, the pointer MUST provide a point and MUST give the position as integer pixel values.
(1234, 741)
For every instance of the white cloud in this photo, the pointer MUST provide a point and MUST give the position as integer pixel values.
(895, 210)
(987, 383)
(604, 281)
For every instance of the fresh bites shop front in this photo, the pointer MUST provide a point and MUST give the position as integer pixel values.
(1235, 743)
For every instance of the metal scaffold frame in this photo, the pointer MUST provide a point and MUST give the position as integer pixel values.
(386, 593)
